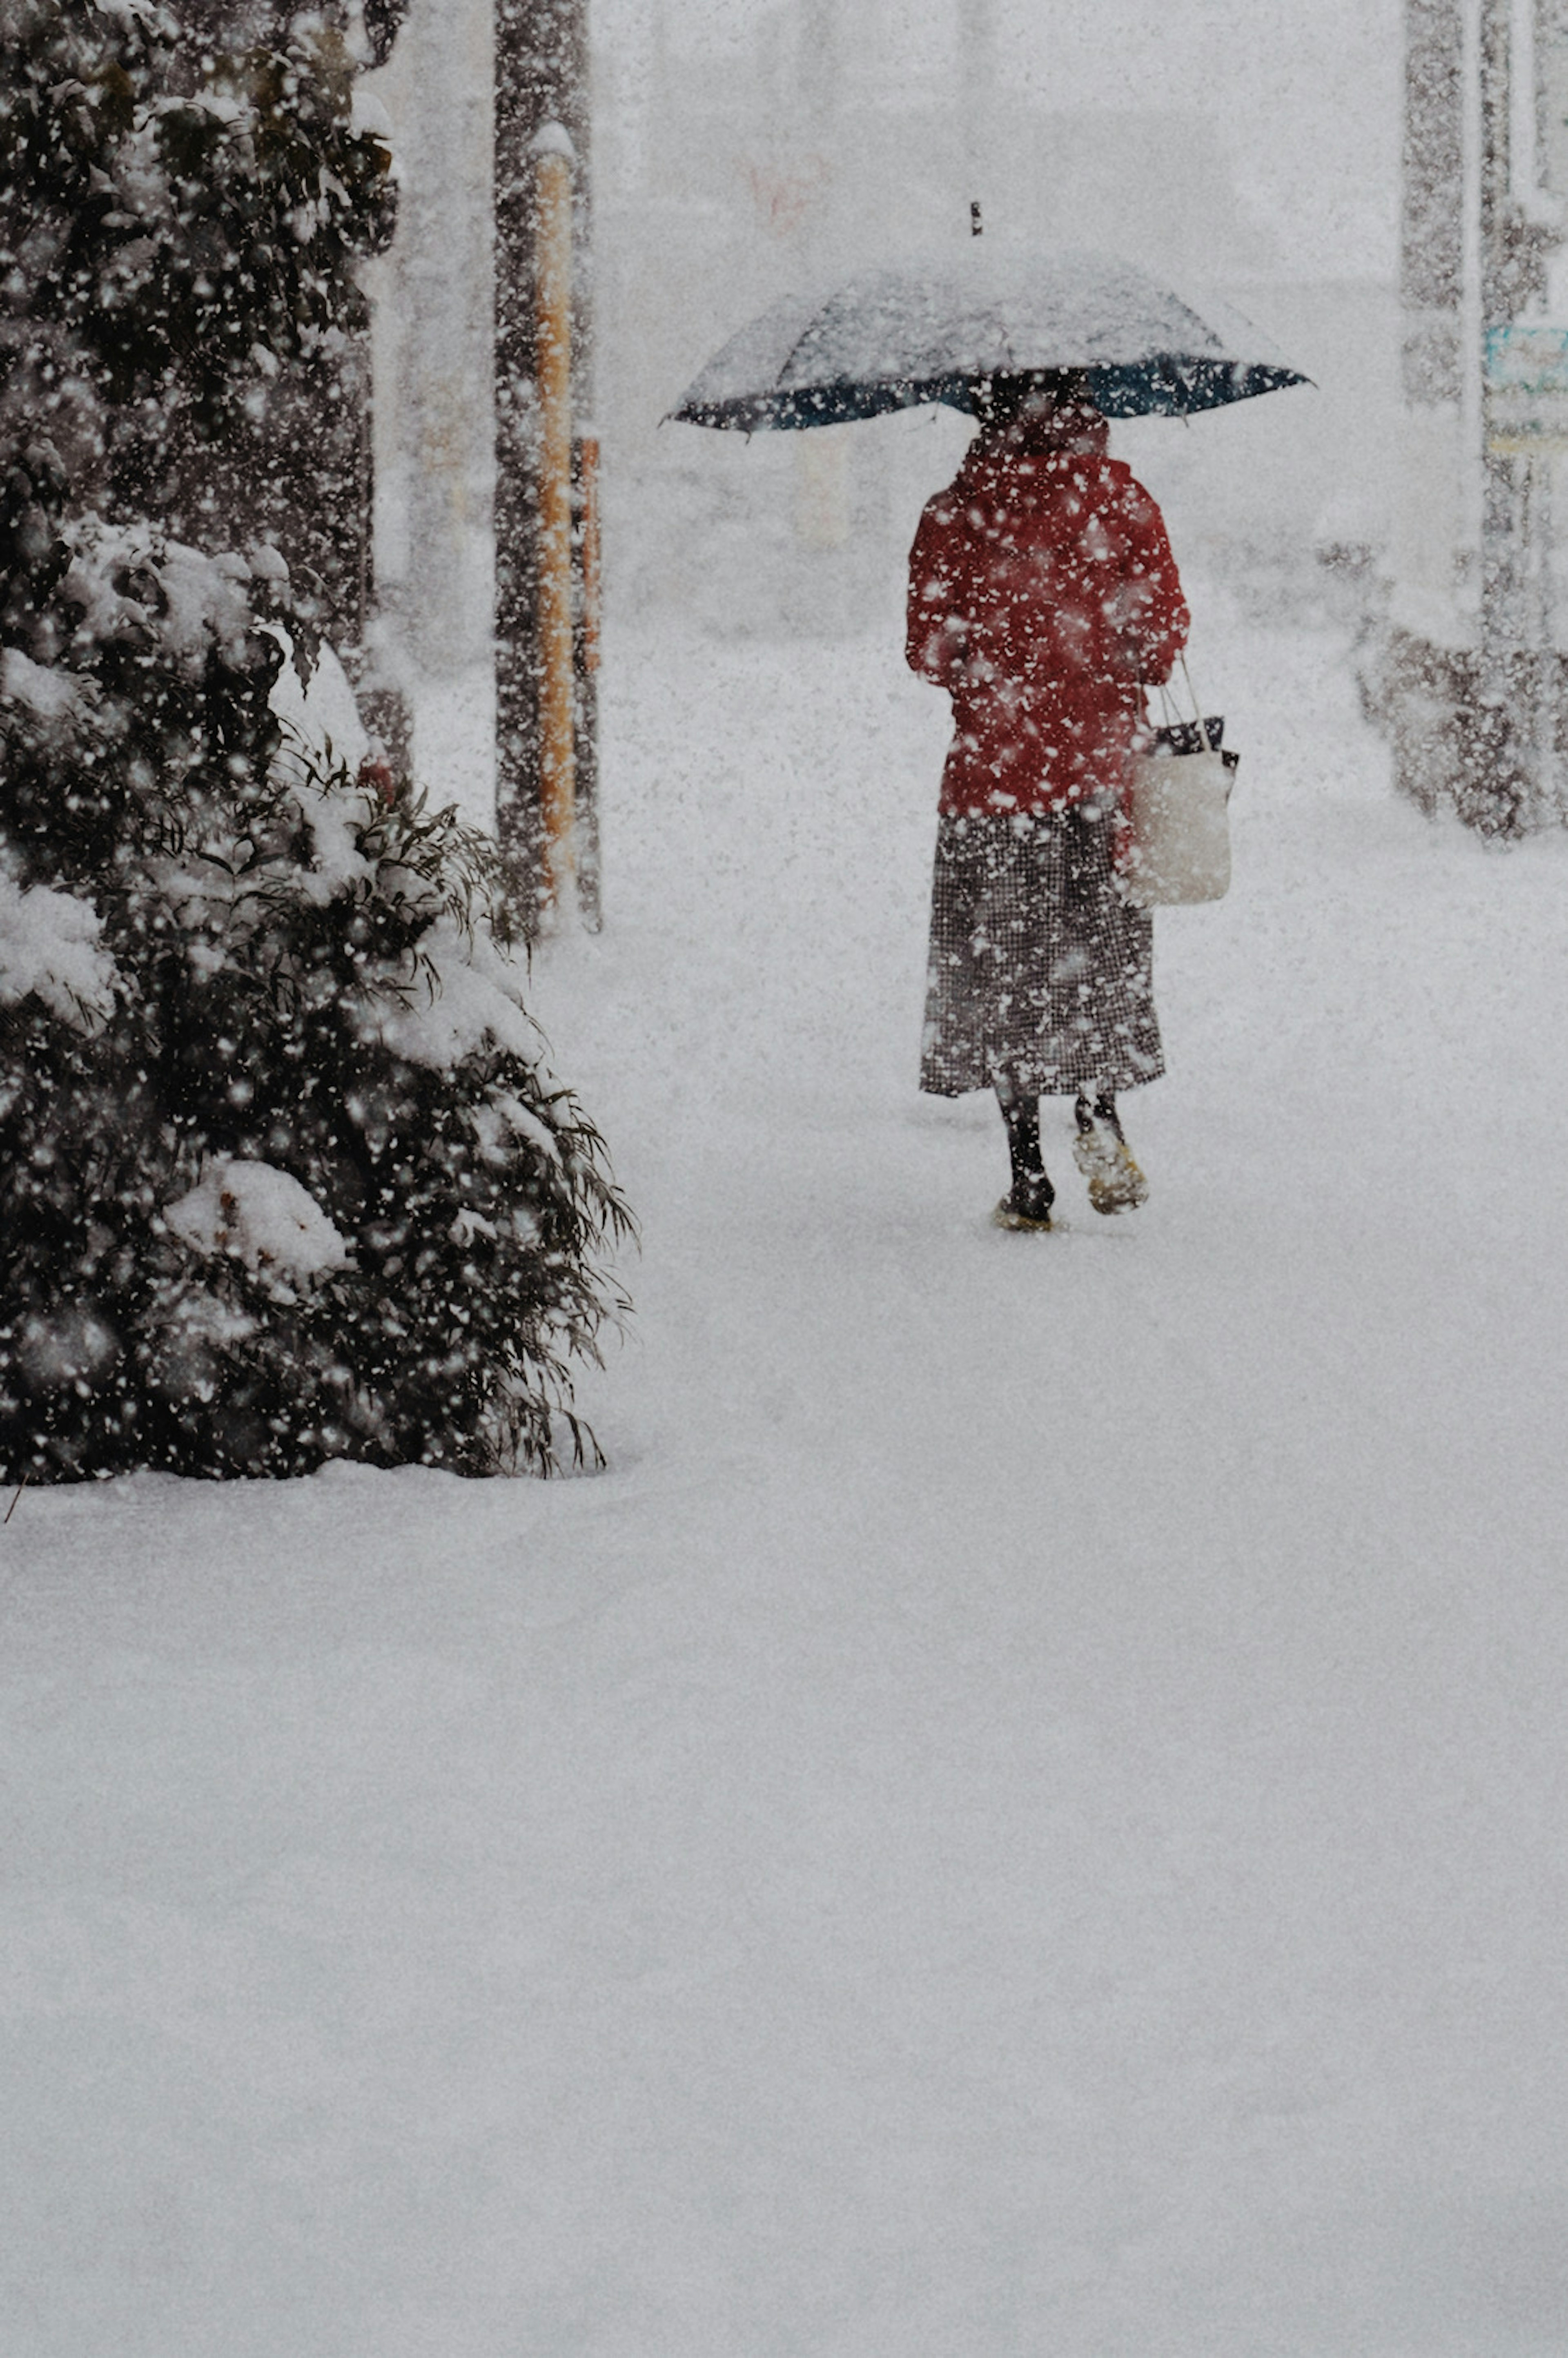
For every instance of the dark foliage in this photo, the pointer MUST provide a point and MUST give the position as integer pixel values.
(283, 1174)
(176, 227)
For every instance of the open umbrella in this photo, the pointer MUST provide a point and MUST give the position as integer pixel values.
(891, 338)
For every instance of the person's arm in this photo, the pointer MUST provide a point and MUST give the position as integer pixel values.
(936, 635)
(1154, 611)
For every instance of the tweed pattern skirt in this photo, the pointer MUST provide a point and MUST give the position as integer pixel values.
(1041, 976)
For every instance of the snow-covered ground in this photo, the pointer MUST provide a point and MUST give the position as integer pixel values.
(1024, 1817)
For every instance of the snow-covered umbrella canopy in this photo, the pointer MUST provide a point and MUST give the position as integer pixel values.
(888, 339)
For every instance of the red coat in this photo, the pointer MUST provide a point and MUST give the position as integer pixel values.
(1042, 593)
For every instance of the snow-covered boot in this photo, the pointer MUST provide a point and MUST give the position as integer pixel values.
(1031, 1211)
(1027, 1204)
(1102, 1154)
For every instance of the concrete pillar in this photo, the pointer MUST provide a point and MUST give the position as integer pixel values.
(1432, 199)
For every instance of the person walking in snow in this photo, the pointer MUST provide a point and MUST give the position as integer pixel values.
(1043, 596)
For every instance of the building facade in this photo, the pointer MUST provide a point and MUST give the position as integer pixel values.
(1470, 673)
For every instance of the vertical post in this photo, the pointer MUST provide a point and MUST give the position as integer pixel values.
(541, 79)
(552, 151)
(1473, 277)
(1432, 206)
(588, 481)
(1500, 479)
(585, 485)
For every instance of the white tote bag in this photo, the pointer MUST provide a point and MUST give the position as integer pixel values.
(1178, 798)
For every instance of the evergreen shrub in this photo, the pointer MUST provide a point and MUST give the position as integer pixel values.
(283, 1175)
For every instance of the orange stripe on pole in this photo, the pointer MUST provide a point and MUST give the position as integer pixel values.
(553, 310)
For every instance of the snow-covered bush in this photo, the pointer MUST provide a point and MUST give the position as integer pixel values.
(283, 1174)
(183, 228)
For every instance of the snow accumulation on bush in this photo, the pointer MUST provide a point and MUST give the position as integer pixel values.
(49, 946)
(260, 1215)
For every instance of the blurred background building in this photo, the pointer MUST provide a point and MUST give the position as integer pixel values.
(1468, 673)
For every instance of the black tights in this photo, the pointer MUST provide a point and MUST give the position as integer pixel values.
(1031, 1187)
(1031, 1191)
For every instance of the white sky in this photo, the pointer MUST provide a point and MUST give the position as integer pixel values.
(1303, 95)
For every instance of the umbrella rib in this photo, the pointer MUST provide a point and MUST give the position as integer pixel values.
(779, 385)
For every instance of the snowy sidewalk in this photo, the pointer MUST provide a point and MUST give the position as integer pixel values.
(1023, 1816)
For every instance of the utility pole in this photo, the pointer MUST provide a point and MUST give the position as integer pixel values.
(546, 464)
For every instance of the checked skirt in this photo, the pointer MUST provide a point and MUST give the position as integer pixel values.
(1041, 976)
